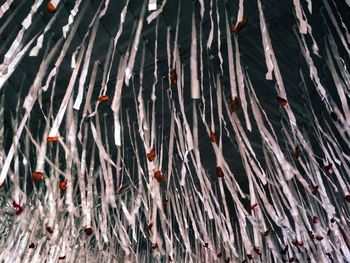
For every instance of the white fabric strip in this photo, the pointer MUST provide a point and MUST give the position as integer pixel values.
(59, 117)
(241, 87)
(195, 89)
(135, 45)
(231, 64)
(28, 105)
(85, 68)
(155, 14)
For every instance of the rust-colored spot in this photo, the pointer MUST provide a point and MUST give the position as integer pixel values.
(149, 227)
(254, 207)
(295, 243)
(333, 219)
(315, 219)
(282, 101)
(151, 155)
(155, 246)
(239, 26)
(219, 255)
(234, 106)
(219, 172)
(31, 245)
(159, 177)
(206, 245)
(51, 8)
(52, 139)
(103, 98)
(61, 258)
(258, 251)
(88, 231)
(18, 208)
(329, 232)
(328, 167)
(49, 229)
(212, 137)
(315, 189)
(37, 176)
(266, 233)
(319, 238)
(292, 259)
(249, 256)
(121, 190)
(173, 77)
(62, 185)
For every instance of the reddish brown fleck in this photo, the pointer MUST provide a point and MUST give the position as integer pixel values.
(315, 219)
(121, 190)
(149, 227)
(159, 177)
(227, 260)
(319, 238)
(219, 172)
(332, 220)
(282, 101)
(206, 245)
(212, 137)
(219, 255)
(291, 259)
(155, 246)
(234, 106)
(151, 155)
(51, 8)
(37, 176)
(266, 233)
(315, 189)
(18, 208)
(173, 77)
(88, 231)
(63, 185)
(249, 256)
(254, 207)
(52, 139)
(328, 167)
(31, 245)
(239, 26)
(103, 98)
(63, 257)
(258, 251)
(49, 229)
